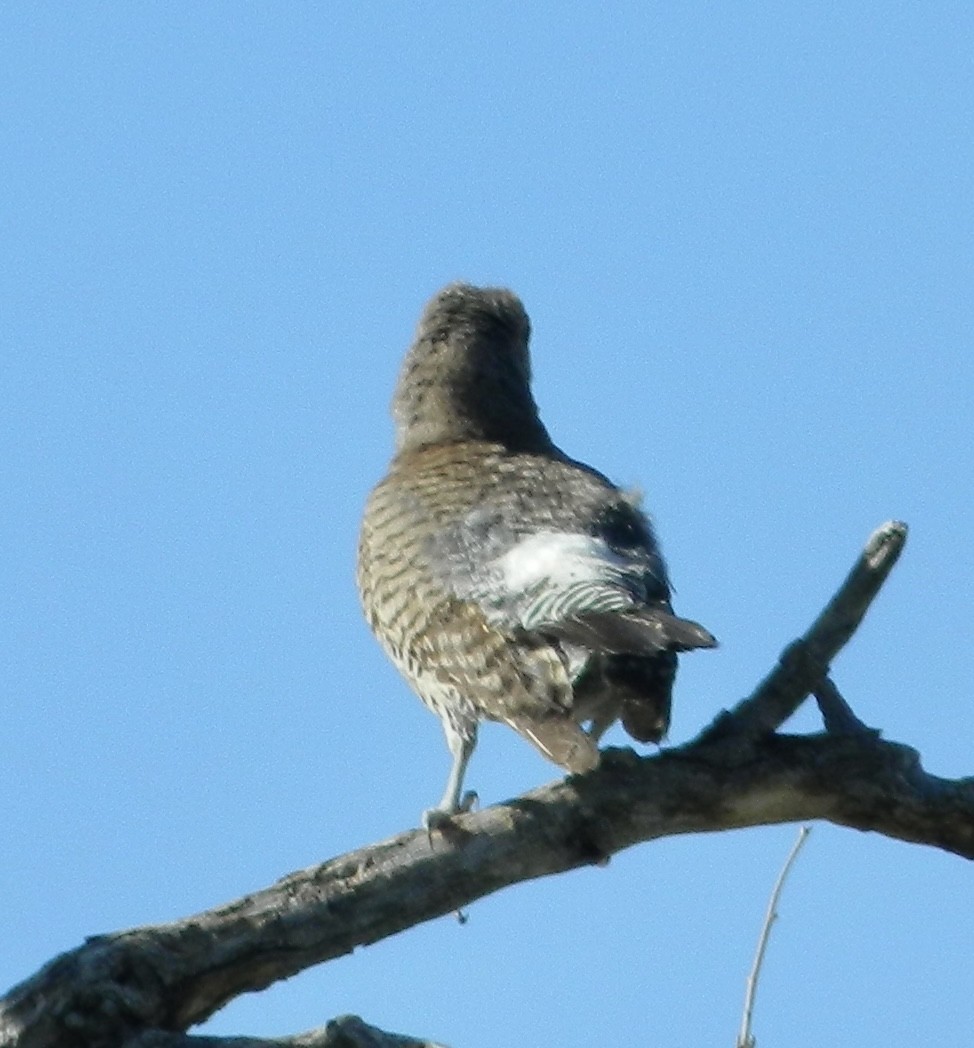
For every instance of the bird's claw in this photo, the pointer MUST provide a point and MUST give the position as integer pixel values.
(436, 818)
(439, 818)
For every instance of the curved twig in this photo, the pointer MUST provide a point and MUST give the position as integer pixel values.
(744, 1037)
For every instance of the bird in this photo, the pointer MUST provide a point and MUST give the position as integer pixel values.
(505, 580)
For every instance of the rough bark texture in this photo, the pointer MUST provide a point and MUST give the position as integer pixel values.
(347, 1031)
(143, 987)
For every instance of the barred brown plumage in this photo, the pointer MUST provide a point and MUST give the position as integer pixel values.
(505, 580)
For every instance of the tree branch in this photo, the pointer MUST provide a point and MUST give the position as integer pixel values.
(117, 988)
(806, 661)
(171, 976)
(348, 1031)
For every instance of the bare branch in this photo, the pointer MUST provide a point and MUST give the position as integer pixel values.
(744, 1038)
(806, 661)
(348, 1031)
(171, 976)
(154, 980)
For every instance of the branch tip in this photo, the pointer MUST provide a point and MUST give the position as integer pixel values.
(885, 544)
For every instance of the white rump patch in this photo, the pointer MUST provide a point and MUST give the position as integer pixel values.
(561, 560)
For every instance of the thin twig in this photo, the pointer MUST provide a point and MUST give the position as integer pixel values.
(744, 1038)
(837, 714)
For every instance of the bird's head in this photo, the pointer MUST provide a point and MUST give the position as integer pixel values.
(467, 375)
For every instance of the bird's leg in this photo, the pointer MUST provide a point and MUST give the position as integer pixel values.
(594, 702)
(461, 741)
(601, 723)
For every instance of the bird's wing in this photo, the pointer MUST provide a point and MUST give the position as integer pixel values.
(574, 586)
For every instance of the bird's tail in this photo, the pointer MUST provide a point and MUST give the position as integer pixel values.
(559, 739)
(642, 631)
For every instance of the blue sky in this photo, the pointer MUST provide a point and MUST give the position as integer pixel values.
(744, 236)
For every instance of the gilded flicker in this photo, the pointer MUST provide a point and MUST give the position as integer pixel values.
(505, 580)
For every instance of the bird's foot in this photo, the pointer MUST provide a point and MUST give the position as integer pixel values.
(436, 819)
(443, 815)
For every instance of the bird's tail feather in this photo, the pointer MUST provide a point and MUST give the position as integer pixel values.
(559, 739)
(646, 631)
